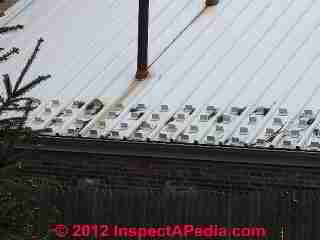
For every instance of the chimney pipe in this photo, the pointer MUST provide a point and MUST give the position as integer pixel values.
(142, 65)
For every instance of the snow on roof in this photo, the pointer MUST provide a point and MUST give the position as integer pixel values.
(244, 72)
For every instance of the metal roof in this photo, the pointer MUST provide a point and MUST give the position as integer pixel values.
(244, 72)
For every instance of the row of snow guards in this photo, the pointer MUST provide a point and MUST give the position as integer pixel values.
(185, 124)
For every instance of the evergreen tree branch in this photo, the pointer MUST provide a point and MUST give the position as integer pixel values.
(5, 123)
(16, 108)
(27, 66)
(29, 86)
(10, 29)
(7, 84)
(5, 56)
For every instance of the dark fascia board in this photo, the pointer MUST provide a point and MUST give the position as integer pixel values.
(252, 155)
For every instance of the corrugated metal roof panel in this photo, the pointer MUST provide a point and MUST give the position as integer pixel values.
(240, 73)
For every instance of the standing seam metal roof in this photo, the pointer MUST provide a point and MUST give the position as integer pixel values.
(241, 73)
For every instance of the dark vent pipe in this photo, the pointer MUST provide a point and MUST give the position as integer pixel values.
(143, 26)
(142, 66)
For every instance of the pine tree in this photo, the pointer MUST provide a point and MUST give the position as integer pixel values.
(14, 101)
(18, 212)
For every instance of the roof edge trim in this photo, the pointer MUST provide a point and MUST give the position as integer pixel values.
(174, 151)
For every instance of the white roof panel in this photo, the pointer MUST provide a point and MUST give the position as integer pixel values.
(239, 73)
